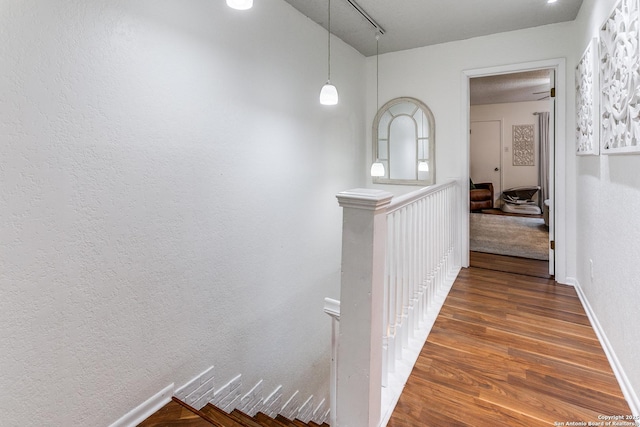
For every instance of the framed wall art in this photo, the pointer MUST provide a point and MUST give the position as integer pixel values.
(620, 80)
(523, 145)
(587, 94)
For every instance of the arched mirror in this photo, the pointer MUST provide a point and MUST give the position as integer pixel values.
(404, 143)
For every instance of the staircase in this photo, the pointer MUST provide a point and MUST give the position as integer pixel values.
(178, 413)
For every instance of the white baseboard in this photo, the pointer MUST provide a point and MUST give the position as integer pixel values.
(570, 281)
(625, 385)
(146, 409)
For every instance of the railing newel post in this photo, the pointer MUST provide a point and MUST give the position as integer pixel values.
(359, 379)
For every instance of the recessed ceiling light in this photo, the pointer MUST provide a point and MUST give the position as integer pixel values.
(551, 1)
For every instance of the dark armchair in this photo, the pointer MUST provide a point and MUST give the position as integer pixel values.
(481, 197)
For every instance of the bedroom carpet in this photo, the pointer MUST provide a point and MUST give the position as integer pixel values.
(509, 235)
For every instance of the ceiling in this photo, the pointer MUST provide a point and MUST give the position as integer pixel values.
(515, 87)
(409, 24)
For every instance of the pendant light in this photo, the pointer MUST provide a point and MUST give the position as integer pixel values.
(240, 4)
(377, 168)
(423, 166)
(329, 93)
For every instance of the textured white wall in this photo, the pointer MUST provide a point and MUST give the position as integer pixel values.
(434, 74)
(607, 202)
(515, 113)
(167, 182)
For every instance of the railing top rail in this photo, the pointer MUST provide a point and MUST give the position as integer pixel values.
(407, 199)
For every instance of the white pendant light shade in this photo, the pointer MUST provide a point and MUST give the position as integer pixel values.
(377, 169)
(328, 94)
(423, 166)
(240, 4)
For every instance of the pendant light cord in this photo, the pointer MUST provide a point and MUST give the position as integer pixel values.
(329, 39)
(377, 71)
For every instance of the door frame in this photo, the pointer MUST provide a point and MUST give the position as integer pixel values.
(557, 180)
(496, 196)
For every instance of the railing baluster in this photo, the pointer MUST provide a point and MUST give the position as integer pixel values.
(405, 277)
(393, 284)
(397, 319)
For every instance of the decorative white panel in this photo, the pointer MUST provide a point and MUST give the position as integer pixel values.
(227, 396)
(252, 400)
(620, 80)
(320, 413)
(306, 410)
(523, 145)
(291, 407)
(203, 382)
(587, 113)
(273, 403)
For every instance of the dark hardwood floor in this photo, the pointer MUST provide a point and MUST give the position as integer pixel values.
(509, 350)
(509, 264)
(495, 211)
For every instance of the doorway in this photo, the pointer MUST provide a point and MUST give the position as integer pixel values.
(485, 155)
(556, 184)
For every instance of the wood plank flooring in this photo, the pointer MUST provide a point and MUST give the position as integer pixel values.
(509, 264)
(509, 350)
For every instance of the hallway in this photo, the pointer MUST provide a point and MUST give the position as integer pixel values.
(510, 350)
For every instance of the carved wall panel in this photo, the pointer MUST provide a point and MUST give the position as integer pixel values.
(523, 145)
(587, 114)
(620, 80)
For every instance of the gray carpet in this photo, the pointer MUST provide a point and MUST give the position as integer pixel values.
(509, 235)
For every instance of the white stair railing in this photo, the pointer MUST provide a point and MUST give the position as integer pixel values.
(420, 252)
(399, 259)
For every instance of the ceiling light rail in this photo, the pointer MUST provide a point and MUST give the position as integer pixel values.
(366, 16)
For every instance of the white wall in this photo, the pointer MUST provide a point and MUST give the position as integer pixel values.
(607, 204)
(166, 200)
(510, 114)
(436, 75)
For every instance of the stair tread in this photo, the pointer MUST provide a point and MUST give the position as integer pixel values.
(291, 423)
(175, 414)
(244, 418)
(267, 421)
(220, 416)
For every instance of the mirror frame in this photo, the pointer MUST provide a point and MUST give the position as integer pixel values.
(431, 138)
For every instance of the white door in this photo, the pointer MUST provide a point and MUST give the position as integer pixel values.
(485, 154)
